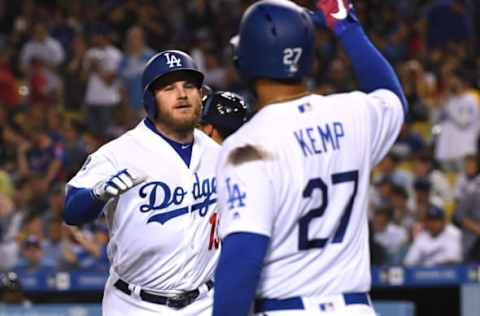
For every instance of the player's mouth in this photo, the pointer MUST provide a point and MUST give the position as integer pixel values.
(183, 106)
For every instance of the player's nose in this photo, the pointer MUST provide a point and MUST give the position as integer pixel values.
(181, 92)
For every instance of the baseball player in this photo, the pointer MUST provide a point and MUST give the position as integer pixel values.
(156, 187)
(293, 181)
(223, 113)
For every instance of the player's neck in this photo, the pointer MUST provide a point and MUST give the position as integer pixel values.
(181, 137)
(271, 92)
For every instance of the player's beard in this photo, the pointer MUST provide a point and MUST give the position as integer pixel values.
(179, 122)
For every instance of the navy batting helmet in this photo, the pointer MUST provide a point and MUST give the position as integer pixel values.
(276, 41)
(162, 64)
(226, 111)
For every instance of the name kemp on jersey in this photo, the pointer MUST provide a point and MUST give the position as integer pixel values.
(320, 139)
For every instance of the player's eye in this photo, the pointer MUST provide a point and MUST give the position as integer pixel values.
(169, 87)
(190, 85)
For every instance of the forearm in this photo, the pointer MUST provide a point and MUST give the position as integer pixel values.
(23, 164)
(471, 226)
(53, 170)
(81, 206)
(238, 273)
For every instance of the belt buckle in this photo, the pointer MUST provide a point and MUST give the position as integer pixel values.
(181, 300)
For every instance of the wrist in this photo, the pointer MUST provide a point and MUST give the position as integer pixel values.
(342, 27)
(98, 192)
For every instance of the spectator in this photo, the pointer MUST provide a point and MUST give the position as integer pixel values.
(381, 193)
(408, 143)
(54, 243)
(56, 197)
(423, 168)
(44, 85)
(103, 89)
(9, 96)
(33, 258)
(42, 157)
(402, 215)
(467, 216)
(215, 74)
(466, 181)
(10, 222)
(456, 30)
(439, 244)
(41, 47)
(75, 148)
(423, 197)
(378, 254)
(392, 237)
(84, 250)
(131, 67)
(75, 78)
(460, 123)
(389, 167)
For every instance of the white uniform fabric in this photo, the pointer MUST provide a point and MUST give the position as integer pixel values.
(160, 229)
(459, 131)
(99, 92)
(309, 145)
(392, 239)
(429, 251)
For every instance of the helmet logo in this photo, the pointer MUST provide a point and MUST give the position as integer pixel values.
(173, 61)
(291, 56)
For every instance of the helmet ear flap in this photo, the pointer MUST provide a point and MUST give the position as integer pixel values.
(150, 104)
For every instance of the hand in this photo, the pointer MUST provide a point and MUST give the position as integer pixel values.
(333, 11)
(116, 185)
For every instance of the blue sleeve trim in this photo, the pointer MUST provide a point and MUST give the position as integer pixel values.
(81, 206)
(238, 273)
(371, 69)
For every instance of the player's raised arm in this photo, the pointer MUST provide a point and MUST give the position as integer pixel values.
(371, 69)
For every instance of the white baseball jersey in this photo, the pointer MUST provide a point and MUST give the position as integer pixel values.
(430, 251)
(161, 229)
(305, 186)
(462, 122)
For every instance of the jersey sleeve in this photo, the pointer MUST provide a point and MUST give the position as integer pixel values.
(245, 192)
(414, 253)
(385, 119)
(97, 167)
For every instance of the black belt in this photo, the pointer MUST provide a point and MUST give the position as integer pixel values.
(177, 301)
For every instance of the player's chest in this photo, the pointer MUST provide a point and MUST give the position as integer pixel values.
(170, 194)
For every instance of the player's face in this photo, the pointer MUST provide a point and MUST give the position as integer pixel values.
(178, 103)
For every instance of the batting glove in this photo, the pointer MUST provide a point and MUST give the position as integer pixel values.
(335, 14)
(116, 185)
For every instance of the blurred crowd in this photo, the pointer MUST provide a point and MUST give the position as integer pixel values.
(70, 80)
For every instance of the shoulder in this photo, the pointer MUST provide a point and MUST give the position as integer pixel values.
(205, 141)
(453, 231)
(422, 238)
(123, 142)
(240, 149)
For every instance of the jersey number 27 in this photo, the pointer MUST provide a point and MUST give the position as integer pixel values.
(317, 183)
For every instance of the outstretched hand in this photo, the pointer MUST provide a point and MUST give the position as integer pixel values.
(116, 185)
(330, 13)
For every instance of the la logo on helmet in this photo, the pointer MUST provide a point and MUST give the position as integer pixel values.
(173, 61)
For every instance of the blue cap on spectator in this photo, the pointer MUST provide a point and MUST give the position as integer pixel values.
(422, 184)
(434, 212)
(101, 29)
